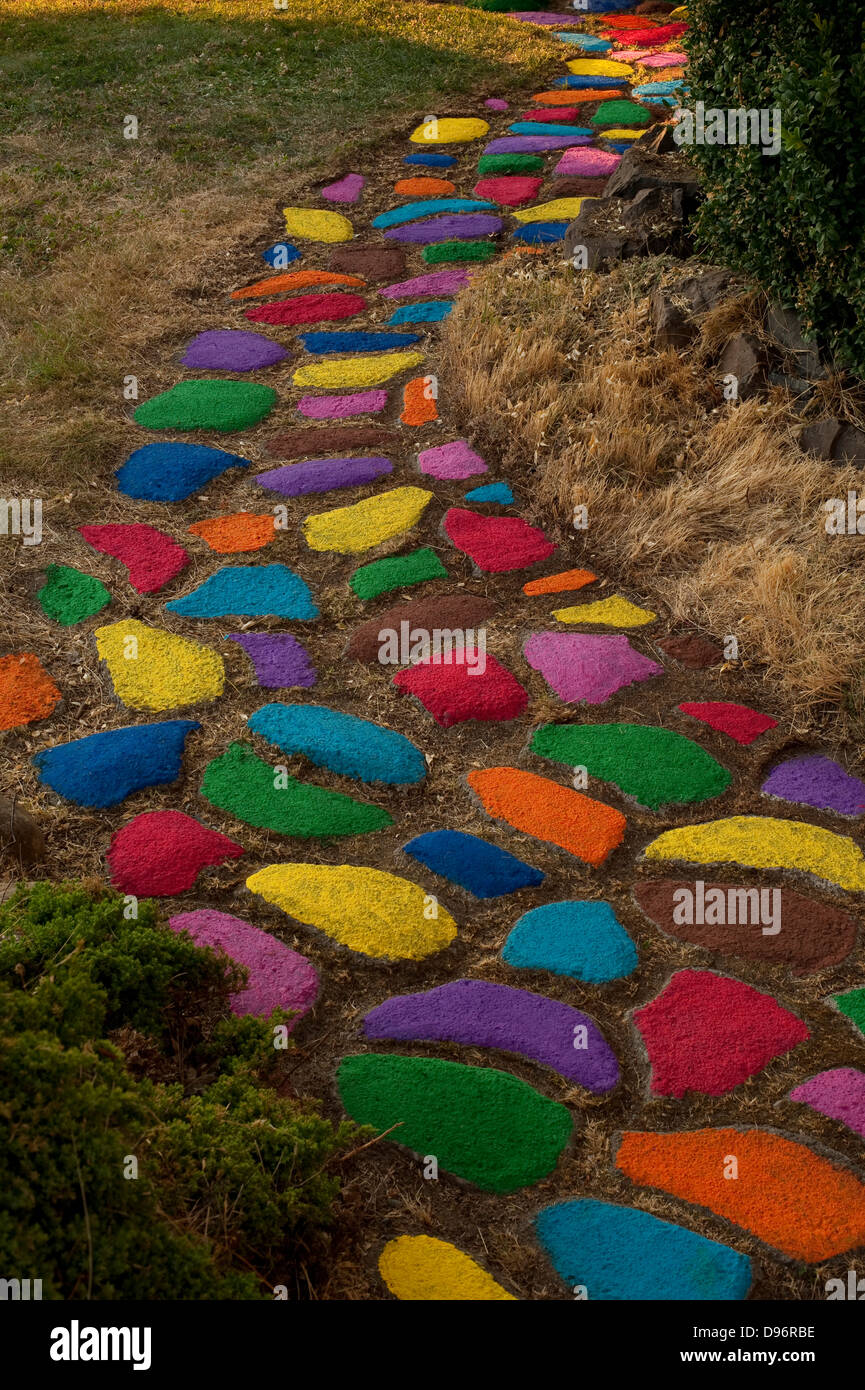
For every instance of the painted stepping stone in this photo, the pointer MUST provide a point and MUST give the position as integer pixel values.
(542, 233)
(655, 767)
(349, 372)
(293, 280)
(547, 128)
(377, 914)
(819, 782)
(161, 853)
(509, 190)
(27, 692)
(458, 251)
(151, 669)
(579, 187)
(437, 282)
(557, 210)
(248, 591)
(374, 263)
(510, 164)
(172, 472)
(341, 742)
(421, 1269)
(621, 114)
(471, 863)
(207, 405)
(103, 769)
(449, 130)
(619, 1253)
(599, 87)
(279, 978)
(407, 212)
(419, 402)
(451, 462)
(356, 342)
(397, 572)
(278, 659)
(232, 350)
(540, 17)
(839, 1094)
(563, 582)
(322, 475)
(312, 224)
(580, 668)
(496, 104)
(420, 616)
(661, 33)
(607, 612)
(69, 596)
(482, 1124)
(345, 190)
(496, 544)
(582, 940)
(491, 492)
(482, 1014)
(789, 1197)
(318, 440)
(535, 144)
(430, 159)
(730, 918)
(237, 533)
(665, 60)
(663, 93)
(424, 187)
(588, 163)
(151, 557)
(455, 224)
(477, 687)
(852, 1006)
(599, 67)
(249, 788)
(368, 523)
(707, 1033)
(282, 253)
(558, 815)
(433, 311)
(762, 842)
(738, 721)
(633, 55)
(590, 42)
(694, 652)
(341, 407)
(308, 308)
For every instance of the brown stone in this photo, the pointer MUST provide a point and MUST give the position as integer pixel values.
(820, 437)
(578, 188)
(744, 358)
(692, 651)
(812, 936)
(314, 441)
(375, 263)
(20, 833)
(454, 611)
(850, 447)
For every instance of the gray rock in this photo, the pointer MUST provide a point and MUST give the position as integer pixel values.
(674, 328)
(743, 358)
(785, 327)
(820, 438)
(850, 446)
(643, 167)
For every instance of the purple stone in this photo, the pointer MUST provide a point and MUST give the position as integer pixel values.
(437, 282)
(279, 660)
(457, 224)
(534, 144)
(338, 407)
(232, 350)
(581, 667)
(320, 475)
(544, 17)
(819, 782)
(483, 1014)
(839, 1094)
(346, 190)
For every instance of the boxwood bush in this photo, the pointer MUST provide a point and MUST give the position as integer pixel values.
(793, 222)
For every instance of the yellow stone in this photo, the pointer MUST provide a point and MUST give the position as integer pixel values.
(449, 130)
(600, 67)
(555, 211)
(420, 1269)
(620, 134)
(315, 224)
(157, 670)
(368, 910)
(611, 612)
(371, 370)
(764, 842)
(367, 523)
(681, 12)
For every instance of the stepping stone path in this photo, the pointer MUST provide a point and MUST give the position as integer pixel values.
(441, 565)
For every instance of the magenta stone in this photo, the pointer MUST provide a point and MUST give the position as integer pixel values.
(451, 461)
(232, 350)
(838, 1094)
(496, 104)
(279, 978)
(280, 662)
(587, 164)
(587, 668)
(438, 282)
(346, 190)
(340, 407)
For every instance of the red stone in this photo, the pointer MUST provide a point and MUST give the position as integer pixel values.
(740, 722)
(510, 190)
(151, 557)
(564, 115)
(497, 544)
(161, 853)
(452, 694)
(308, 308)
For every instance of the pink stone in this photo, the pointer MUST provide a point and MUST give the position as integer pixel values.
(346, 190)
(451, 461)
(496, 104)
(453, 692)
(664, 60)
(279, 978)
(438, 282)
(151, 557)
(340, 407)
(631, 55)
(587, 163)
(839, 1094)
(497, 544)
(587, 668)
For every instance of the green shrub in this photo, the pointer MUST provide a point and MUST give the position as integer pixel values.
(792, 221)
(231, 1184)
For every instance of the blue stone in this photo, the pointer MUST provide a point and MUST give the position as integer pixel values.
(425, 207)
(583, 940)
(540, 233)
(103, 769)
(474, 864)
(589, 42)
(544, 128)
(173, 472)
(281, 254)
(341, 742)
(491, 492)
(659, 89)
(356, 342)
(430, 311)
(619, 1253)
(577, 82)
(248, 591)
(430, 160)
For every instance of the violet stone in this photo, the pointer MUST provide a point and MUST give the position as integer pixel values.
(280, 662)
(457, 224)
(819, 782)
(437, 282)
(581, 667)
(534, 144)
(232, 350)
(320, 475)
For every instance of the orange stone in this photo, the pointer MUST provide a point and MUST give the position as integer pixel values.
(418, 407)
(424, 188)
(27, 692)
(785, 1194)
(559, 583)
(548, 811)
(294, 280)
(240, 531)
(565, 96)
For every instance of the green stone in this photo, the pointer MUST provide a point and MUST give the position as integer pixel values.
(482, 1124)
(621, 113)
(657, 767)
(69, 596)
(207, 405)
(242, 783)
(510, 163)
(852, 1006)
(459, 251)
(397, 572)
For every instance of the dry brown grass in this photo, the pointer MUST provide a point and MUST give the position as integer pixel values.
(709, 509)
